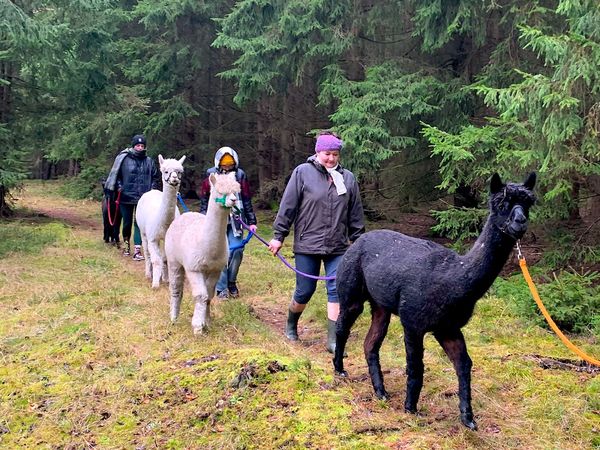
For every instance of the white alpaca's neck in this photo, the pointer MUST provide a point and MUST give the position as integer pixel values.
(215, 226)
(168, 205)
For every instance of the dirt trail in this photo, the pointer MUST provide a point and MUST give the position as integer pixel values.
(70, 217)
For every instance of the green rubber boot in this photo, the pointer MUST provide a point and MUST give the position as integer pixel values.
(331, 325)
(331, 336)
(291, 327)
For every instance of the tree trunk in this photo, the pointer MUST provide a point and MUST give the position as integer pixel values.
(285, 141)
(6, 73)
(265, 140)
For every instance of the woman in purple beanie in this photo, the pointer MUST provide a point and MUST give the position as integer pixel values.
(322, 202)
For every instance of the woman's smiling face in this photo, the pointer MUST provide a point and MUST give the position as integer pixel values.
(328, 158)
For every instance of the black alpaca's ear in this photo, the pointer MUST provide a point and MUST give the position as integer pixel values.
(529, 183)
(496, 184)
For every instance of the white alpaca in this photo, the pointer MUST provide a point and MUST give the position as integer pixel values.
(154, 213)
(196, 245)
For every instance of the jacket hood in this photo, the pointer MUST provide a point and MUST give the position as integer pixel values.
(222, 151)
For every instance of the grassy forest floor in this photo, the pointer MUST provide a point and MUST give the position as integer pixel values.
(90, 360)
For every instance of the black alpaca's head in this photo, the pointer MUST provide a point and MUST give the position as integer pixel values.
(510, 203)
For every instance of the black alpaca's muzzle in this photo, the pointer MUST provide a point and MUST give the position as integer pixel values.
(516, 224)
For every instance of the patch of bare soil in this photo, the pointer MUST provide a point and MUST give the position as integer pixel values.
(312, 335)
(70, 217)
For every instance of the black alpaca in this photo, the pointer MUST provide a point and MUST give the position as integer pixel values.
(111, 232)
(430, 287)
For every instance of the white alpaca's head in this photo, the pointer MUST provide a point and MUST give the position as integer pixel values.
(224, 189)
(172, 170)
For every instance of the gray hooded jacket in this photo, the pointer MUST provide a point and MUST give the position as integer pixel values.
(324, 222)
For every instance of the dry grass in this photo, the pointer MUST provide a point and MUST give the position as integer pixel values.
(90, 360)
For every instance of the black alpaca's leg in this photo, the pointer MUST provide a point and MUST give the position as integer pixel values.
(105, 222)
(413, 343)
(380, 320)
(346, 319)
(116, 228)
(455, 347)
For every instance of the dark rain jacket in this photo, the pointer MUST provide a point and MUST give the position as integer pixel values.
(325, 223)
(136, 175)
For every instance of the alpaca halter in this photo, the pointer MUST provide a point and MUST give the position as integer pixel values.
(177, 182)
(504, 227)
(222, 200)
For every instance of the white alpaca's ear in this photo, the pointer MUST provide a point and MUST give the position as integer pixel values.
(160, 160)
(212, 178)
(231, 175)
(182, 159)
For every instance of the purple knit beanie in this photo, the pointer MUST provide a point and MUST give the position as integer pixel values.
(327, 142)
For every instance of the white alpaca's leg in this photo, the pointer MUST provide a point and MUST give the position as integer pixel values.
(148, 261)
(201, 317)
(157, 262)
(211, 283)
(176, 277)
(165, 267)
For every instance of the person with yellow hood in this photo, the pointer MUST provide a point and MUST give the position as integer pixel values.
(227, 160)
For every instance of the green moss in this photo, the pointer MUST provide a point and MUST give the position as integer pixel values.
(18, 237)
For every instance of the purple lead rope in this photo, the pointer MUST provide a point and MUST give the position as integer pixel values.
(283, 260)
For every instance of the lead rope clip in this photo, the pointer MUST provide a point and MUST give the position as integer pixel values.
(519, 254)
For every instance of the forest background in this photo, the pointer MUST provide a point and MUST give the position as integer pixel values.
(430, 98)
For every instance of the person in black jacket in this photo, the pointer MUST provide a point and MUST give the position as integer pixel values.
(133, 173)
(322, 202)
(227, 160)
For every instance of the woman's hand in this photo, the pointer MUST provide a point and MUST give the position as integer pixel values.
(274, 246)
(252, 228)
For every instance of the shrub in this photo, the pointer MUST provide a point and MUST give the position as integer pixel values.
(571, 298)
(459, 224)
(569, 248)
(87, 184)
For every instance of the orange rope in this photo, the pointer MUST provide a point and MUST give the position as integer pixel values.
(559, 333)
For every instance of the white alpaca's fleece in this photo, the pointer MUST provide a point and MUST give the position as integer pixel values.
(196, 246)
(154, 213)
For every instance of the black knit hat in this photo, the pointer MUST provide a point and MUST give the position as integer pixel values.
(138, 139)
